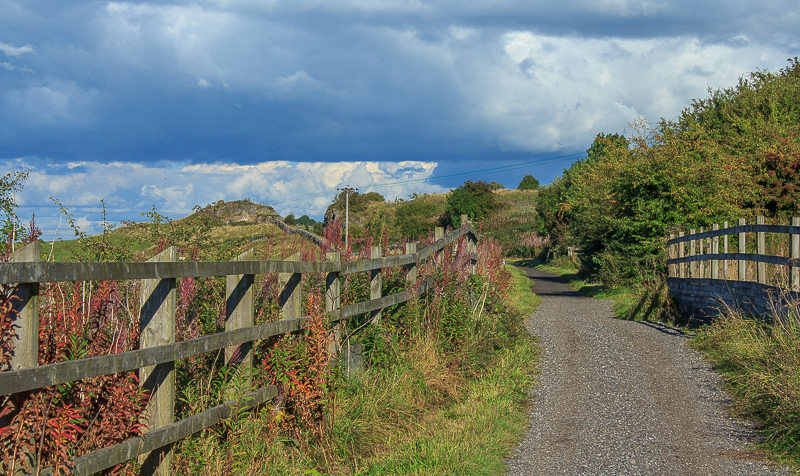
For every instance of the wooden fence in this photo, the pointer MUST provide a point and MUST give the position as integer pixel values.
(707, 271)
(158, 352)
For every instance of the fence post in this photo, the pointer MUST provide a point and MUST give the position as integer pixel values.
(291, 298)
(681, 254)
(742, 249)
(375, 283)
(239, 314)
(701, 250)
(26, 348)
(472, 247)
(411, 269)
(333, 300)
(157, 324)
(464, 220)
(725, 251)
(715, 250)
(761, 244)
(671, 252)
(795, 255)
(692, 264)
(438, 234)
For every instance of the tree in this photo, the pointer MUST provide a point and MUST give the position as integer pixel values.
(495, 185)
(474, 199)
(305, 220)
(528, 182)
(290, 219)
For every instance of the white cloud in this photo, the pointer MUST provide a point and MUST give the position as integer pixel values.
(131, 188)
(11, 50)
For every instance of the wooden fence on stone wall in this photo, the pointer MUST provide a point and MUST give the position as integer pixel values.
(706, 270)
(158, 352)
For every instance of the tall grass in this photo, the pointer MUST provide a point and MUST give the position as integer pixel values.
(761, 363)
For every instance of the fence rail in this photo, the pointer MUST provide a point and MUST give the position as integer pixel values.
(158, 350)
(700, 275)
(704, 248)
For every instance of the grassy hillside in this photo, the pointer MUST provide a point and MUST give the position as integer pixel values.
(217, 231)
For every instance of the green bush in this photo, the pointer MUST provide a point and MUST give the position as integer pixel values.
(528, 182)
(474, 199)
(415, 218)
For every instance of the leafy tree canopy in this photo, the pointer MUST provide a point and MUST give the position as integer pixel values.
(528, 182)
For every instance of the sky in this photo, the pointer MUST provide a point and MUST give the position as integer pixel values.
(174, 104)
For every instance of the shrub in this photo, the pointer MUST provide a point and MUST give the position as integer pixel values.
(475, 199)
(528, 182)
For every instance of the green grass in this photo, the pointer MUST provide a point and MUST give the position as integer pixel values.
(521, 294)
(761, 365)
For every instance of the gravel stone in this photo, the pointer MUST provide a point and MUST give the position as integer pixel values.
(625, 397)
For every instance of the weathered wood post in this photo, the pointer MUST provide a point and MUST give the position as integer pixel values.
(464, 220)
(438, 234)
(26, 307)
(333, 300)
(157, 324)
(681, 254)
(671, 254)
(411, 269)
(290, 299)
(701, 250)
(375, 283)
(761, 244)
(239, 314)
(742, 249)
(715, 251)
(26, 322)
(725, 251)
(795, 255)
(692, 264)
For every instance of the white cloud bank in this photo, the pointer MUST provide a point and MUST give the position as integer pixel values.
(129, 189)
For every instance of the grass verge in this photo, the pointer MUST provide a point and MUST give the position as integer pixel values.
(448, 398)
(760, 362)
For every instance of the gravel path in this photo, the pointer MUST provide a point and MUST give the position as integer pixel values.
(624, 397)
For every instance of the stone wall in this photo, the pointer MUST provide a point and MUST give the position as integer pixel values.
(703, 298)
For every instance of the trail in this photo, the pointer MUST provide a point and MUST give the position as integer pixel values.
(624, 397)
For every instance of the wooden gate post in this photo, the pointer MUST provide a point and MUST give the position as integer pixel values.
(375, 284)
(761, 244)
(239, 314)
(692, 264)
(333, 301)
(742, 249)
(291, 298)
(715, 250)
(157, 324)
(411, 269)
(26, 306)
(681, 254)
(795, 255)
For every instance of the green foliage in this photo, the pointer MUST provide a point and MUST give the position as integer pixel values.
(733, 154)
(475, 199)
(495, 185)
(528, 182)
(10, 183)
(290, 219)
(305, 220)
(416, 218)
